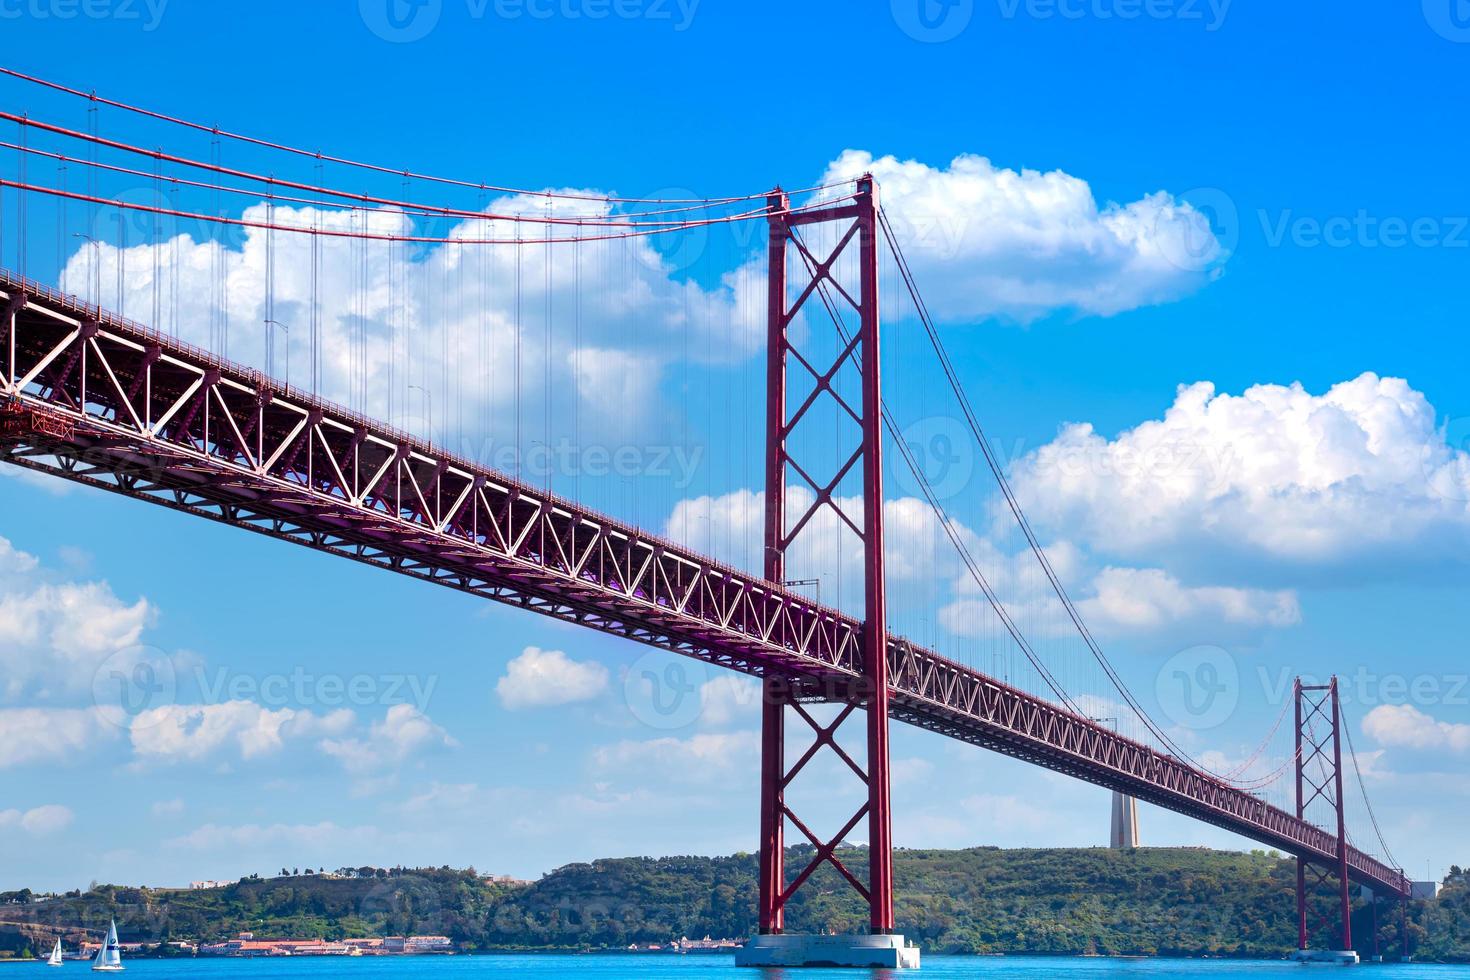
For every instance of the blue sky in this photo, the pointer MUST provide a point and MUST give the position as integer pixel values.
(1323, 153)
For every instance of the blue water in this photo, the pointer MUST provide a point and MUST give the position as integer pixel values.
(700, 967)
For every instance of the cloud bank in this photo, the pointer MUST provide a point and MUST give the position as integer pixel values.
(989, 241)
(1351, 480)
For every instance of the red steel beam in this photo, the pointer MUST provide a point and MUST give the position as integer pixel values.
(1301, 862)
(771, 899)
(1342, 851)
(157, 423)
(875, 617)
(1322, 702)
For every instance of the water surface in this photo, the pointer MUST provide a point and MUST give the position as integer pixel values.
(715, 967)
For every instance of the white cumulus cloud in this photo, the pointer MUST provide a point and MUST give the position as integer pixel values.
(483, 326)
(1357, 474)
(52, 735)
(1138, 603)
(195, 732)
(55, 633)
(1404, 726)
(730, 527)
(1115, 601)
(729, 699)
(698, 756)
(1127, 599)
(985, 240)
(541, 678)
(40, 820)
(404, 731)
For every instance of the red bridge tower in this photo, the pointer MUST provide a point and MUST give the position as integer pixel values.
(774, 946)
(1318, 705)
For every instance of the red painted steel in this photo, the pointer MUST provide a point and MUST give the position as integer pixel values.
(128, 409)
(862, 231)
(1343, 882)
(1301, 862)
(1321, 702)
(772, 883)
(875, 622)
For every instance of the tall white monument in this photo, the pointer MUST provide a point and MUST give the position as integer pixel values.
(1125, 822)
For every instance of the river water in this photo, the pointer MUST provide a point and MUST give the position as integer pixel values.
(655, 966)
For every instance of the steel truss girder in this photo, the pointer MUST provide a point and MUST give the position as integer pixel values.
(363, 491)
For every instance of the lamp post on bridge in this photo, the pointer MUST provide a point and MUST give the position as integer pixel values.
(429, 407)
(96, 267)
(270, 348)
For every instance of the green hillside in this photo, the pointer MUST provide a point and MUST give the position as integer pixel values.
(1152, 901)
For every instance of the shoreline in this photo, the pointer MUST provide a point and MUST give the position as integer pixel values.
(712, 953)
(567, 952)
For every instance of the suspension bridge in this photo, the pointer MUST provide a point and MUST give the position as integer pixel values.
(158, 411)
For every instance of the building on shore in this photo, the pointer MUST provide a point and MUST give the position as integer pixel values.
(706, 945)
(246, 945)
(687, 945)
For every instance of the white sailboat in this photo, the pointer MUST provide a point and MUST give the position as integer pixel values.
(109, 957)
(55, 958)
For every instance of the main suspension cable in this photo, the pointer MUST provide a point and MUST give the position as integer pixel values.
(273, 183)
(364, 235)
(1363, 788)
(96, 99)
(921, 478)
(998, 472)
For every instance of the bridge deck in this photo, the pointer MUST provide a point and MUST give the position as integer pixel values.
(107, 402)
